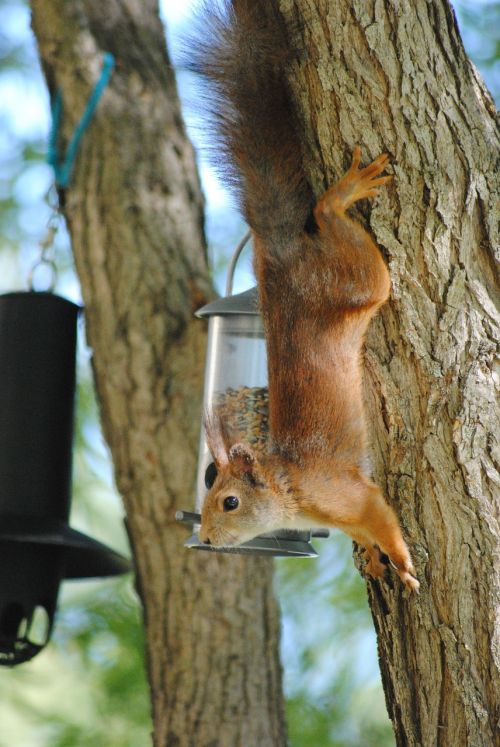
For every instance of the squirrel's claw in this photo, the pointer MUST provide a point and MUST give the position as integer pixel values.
(409, 581)
(356, 184)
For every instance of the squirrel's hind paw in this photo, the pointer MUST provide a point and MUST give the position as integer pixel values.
(409, 581)
(406, 572)
(356, 184)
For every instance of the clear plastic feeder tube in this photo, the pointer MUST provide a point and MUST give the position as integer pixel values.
(235, 380)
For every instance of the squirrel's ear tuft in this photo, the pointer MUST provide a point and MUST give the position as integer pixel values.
(217, 438)
(242, 458)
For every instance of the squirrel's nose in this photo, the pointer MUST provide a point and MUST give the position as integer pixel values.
(207, 542)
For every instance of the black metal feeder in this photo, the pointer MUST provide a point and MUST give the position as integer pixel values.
(38, 549)
(236, 381)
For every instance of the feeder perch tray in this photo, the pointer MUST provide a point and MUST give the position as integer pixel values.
(287, 543)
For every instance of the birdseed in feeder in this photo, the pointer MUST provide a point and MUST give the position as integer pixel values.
(245, 411)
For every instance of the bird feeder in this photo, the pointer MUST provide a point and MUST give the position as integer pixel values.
(236, 382)
(38, 549)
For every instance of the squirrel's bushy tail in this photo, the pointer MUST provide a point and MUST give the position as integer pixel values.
(242, 56)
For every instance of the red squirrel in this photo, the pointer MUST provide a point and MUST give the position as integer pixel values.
(320, 280)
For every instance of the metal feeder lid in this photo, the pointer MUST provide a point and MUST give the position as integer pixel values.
(241, 303)
(287, 543)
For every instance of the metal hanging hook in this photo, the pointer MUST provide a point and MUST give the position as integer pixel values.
(234, 259)
(49, 265)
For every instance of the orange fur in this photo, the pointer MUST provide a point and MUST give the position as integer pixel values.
(319, 287)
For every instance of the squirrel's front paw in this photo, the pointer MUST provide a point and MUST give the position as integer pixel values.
(356, 184)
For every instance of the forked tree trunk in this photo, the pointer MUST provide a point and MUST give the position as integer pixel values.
(393, 76)
(134, 211)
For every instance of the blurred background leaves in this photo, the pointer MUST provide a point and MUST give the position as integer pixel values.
(89, 686)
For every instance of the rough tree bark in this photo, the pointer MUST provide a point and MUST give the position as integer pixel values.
(135, 215)
(392, 75)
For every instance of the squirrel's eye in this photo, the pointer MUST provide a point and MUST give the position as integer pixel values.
(230, 503)
(210, 475)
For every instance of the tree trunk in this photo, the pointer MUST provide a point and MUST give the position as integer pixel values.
(392, 76)
(135, 215)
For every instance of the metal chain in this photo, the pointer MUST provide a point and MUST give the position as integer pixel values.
(46, 261)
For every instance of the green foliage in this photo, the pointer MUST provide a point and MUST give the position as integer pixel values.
(340, 721)
(334, 694)
(89, 687)
(107, 639)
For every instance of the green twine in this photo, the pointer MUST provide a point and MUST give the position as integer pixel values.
(63, 169)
